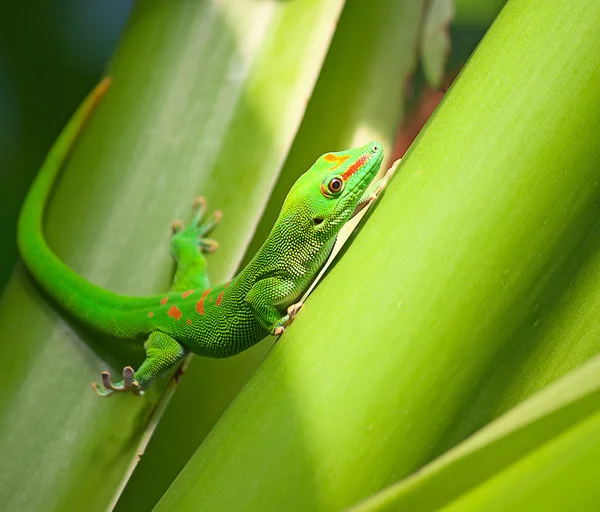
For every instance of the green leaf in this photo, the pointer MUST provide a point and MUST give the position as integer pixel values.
(435, 40)
(488, 232)
(341, 113)
(508, 446)
(559, 476)
(206, 99)
(475, 13)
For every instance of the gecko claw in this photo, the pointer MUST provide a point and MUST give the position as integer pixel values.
(208, 245)
(129, 383)
(293, 310)
(101, 390)
(285, 321)
(106, 382)
(199, 205)
(204, 225)
(386, 179)
(199, 228)
(176, 226)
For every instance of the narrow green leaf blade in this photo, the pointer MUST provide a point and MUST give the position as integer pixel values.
(435, 40)
(561, 475)
(542, 419)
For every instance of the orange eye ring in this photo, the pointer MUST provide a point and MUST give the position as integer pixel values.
(335, 186)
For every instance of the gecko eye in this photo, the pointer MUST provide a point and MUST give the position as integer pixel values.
(335, 185)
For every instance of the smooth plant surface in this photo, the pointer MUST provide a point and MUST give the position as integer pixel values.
(487, 229)
(492, 470)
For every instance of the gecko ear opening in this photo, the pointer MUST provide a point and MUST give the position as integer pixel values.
(317, 220)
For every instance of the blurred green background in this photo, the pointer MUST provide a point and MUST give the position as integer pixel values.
(51, 55)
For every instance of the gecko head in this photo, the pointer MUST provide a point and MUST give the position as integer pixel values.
(326, 196)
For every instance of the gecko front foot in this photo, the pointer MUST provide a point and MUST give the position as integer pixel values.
(129, 383)
(199, 228)
(285, 321)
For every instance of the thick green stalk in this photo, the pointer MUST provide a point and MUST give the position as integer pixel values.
(435, 306)
(477, 468)
(194, 109)
(340, 114)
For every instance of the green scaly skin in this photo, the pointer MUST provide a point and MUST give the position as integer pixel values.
(226, 319)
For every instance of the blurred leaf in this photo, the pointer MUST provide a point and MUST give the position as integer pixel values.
(476, 13)
(195, 108)
(489, 231)
(511, 440)
(341, 113)
(562, 475)
(40, 86)
(435, 40)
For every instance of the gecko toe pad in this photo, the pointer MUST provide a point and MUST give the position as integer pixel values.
(108, 387)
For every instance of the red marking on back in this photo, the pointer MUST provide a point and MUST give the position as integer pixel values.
(164, 300)
(175, 312)
(150, 314)
(220, 297)
(184, 295)
(200, 303)
(339, 160)
(354, 167)
(189, 322)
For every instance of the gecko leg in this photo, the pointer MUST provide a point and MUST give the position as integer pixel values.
(375, 189)
(285, 321)
(188, 244)
(162, 352)
(129, 383)
(265, 299)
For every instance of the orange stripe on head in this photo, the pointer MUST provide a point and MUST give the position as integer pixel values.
(355, 167)
(164, 300)
(339, 160)
(200, 303)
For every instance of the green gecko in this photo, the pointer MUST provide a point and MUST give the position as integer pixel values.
(224, 320)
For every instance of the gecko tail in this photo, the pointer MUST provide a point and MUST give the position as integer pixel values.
(89, 303)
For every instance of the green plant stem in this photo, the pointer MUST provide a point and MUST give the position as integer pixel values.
(482, 234)
(504, 447)
(195, 108)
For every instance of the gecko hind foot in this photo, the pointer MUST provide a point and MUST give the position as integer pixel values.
(201, 226)
(129, 383)
(286, 320)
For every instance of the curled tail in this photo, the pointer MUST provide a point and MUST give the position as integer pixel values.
(117, 315)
